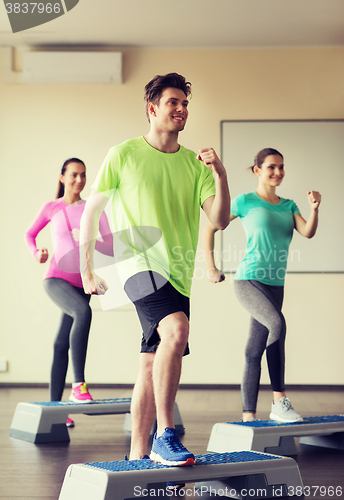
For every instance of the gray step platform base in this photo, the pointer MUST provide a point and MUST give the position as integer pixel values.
(272, 437)
(233, 475)
(45, 422)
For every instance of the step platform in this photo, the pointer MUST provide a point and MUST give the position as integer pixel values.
(45, 422)
(233, 475)
(270, 436)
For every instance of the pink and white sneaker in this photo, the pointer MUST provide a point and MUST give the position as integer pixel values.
(80, 394)
(70, 422)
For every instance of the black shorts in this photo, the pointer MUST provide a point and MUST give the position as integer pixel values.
(154, 298)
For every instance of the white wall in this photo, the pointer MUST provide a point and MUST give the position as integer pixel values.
(42, 125)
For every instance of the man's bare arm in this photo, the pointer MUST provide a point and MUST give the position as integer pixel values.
(216, 207)
(89, 227)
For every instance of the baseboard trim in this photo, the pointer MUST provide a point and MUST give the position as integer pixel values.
(194, 387)
(264, 387)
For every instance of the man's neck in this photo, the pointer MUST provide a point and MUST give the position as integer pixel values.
(164, 142)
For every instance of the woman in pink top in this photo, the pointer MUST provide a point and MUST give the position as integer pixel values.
(62, 280)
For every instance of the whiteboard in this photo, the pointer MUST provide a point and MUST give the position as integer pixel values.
(313, 153)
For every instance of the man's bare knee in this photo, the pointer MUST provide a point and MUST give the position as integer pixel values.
(174, 330)
(181, 334)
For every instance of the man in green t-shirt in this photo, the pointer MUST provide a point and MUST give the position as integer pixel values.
(156, 188)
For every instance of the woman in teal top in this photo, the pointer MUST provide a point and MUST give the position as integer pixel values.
(269, 222)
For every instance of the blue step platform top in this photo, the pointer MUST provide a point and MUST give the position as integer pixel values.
(209, 459)
(308, 420)
(71, 403)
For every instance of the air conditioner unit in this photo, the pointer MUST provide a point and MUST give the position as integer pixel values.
(66, 67)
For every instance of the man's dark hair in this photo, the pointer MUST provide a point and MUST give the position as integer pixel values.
(155, 88)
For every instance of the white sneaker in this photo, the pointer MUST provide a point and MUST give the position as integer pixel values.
(253, 419)
(283, 412)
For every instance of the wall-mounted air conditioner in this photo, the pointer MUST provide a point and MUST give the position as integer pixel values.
(64, 67)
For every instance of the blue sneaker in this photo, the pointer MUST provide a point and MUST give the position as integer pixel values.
(168, 450)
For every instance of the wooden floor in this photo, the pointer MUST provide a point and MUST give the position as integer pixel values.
(29, 471)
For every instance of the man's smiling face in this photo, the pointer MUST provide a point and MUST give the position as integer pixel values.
(172, 111)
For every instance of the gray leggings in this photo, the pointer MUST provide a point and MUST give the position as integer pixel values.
(73, 332)
(267, 331)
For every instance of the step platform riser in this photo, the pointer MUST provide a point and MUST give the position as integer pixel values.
(257, 471)
(271, 437)
(45, 422)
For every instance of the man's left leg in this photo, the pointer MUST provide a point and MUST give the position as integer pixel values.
(173, 331)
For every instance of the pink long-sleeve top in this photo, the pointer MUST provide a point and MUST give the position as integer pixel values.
(63, 218)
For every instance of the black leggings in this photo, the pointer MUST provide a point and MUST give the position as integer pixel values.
(267, 331)
(73, 332)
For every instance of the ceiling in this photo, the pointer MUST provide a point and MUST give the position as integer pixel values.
(188, 24)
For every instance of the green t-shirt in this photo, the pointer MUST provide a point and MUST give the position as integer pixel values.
(156, 199)
(269, 231)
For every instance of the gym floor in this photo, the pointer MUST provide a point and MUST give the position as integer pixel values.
(29, 471)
